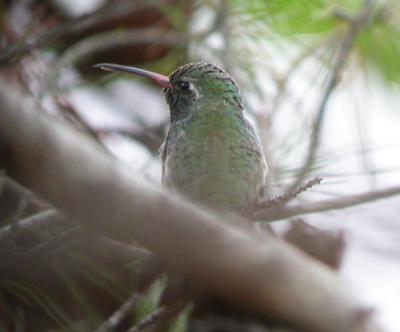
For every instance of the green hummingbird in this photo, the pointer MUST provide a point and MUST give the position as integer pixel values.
(211, 153)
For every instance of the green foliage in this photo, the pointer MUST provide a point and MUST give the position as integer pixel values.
(377, 45)
(292, 17)
(34, 298)
(98, 276)
(180, 323)
(83, 301)
(150, 302)
(175, 13)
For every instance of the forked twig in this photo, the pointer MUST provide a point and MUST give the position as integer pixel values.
(280, 200)
(346, 201)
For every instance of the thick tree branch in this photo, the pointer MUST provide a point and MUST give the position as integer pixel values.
(262, 275)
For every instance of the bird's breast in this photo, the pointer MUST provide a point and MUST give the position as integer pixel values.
(214, 160)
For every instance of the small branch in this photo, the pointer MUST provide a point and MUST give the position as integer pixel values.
(109, 40)
(326, 246)
(119, 315)
(49, 234)
(69, 110)
(281, 200)
(12, 197)
(34, 240)
(151, 137)
(35, 224)
(222, 24)
(326, 205)
(157, 315)
(75, 27)
(356, 24)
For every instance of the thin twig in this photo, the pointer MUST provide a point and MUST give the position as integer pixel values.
(106, 41)
(223, 25)
(282, 81)
(157, 315)
(48, 234)
(281, 200)
(355, 26)
(2, 178)
(22, 205)
(70, 110)
(119, 315)
(151, 137)
(326, 205)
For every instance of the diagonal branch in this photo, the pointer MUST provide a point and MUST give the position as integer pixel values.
(120, 314)
(157, 315)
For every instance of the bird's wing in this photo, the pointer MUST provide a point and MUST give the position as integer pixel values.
(163, 155)
(258, 148)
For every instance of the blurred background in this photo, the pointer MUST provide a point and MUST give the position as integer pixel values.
(320, 80)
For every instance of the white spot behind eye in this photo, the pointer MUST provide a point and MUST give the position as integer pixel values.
(196, 93)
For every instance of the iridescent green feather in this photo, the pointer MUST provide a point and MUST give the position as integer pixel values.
(211, 153)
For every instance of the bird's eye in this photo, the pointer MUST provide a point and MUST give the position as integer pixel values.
(185, 86)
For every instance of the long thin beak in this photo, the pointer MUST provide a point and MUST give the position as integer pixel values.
(157, 78)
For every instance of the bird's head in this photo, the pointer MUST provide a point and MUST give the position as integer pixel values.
(190, 86)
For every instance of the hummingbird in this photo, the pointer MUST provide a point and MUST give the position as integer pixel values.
(211, 153)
